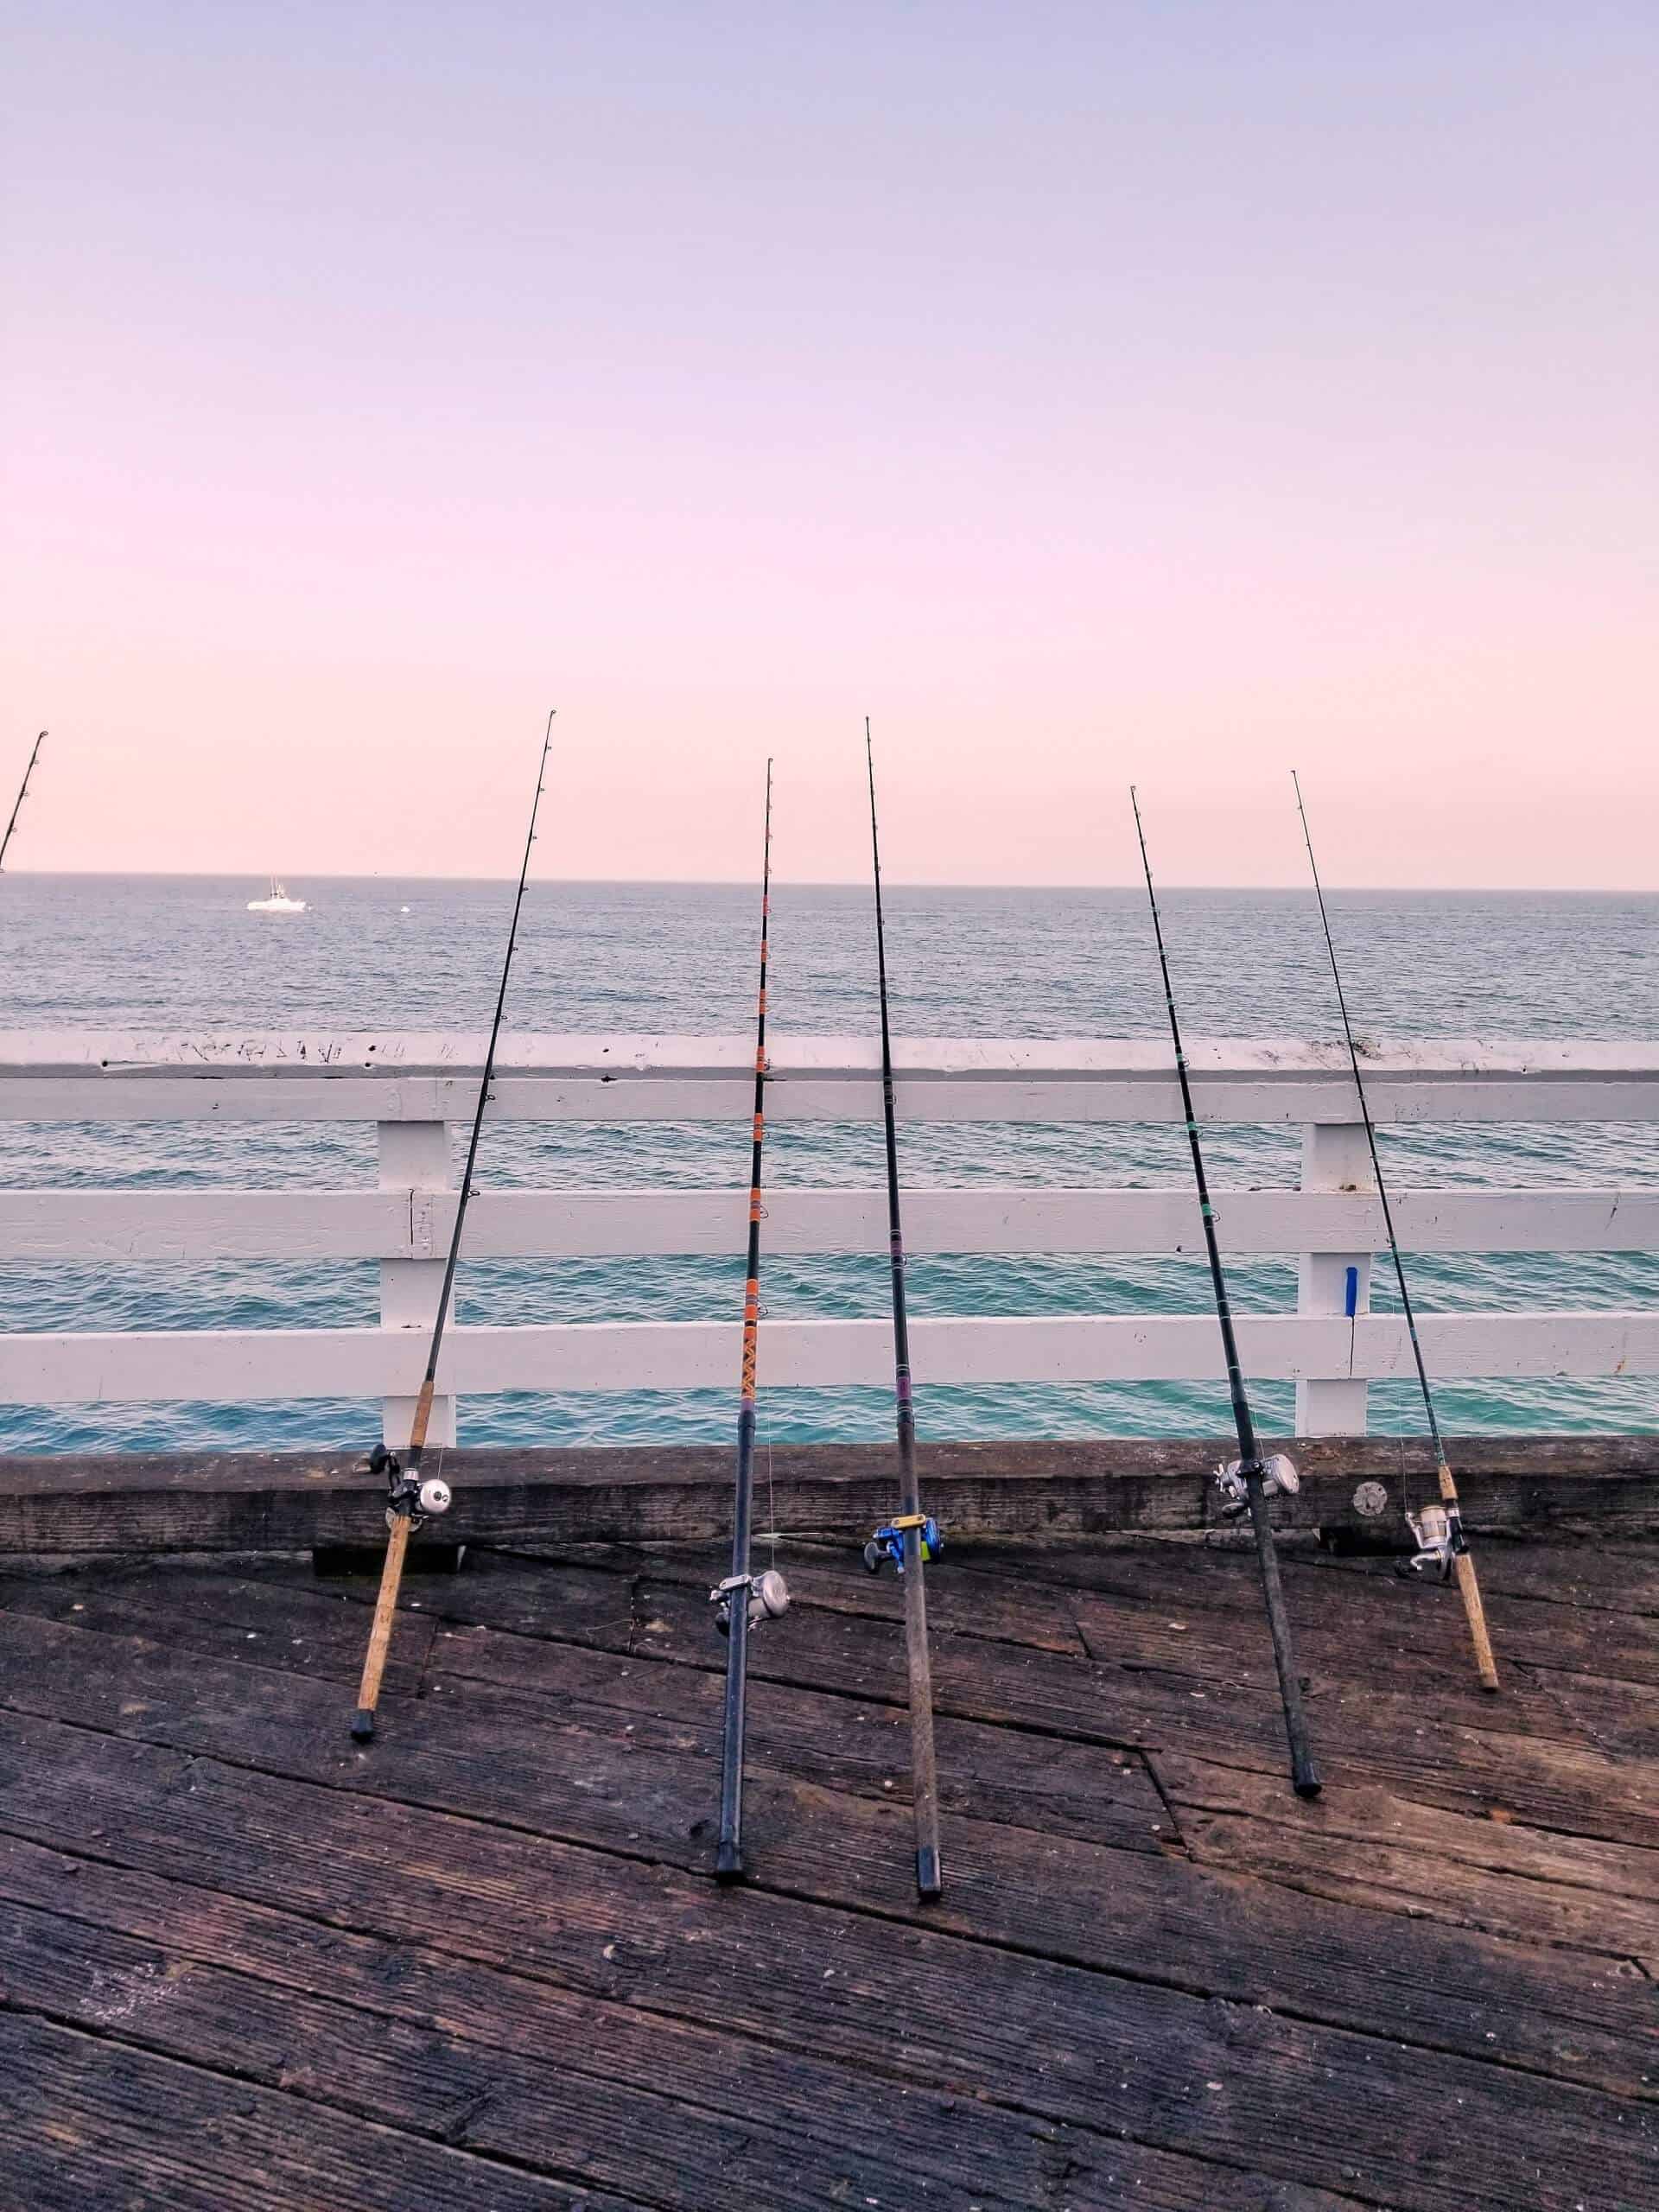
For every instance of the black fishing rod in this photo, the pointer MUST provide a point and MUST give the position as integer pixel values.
(911, 1537)
(23, 793)
(1250, 1481)
(1441, 1544)
(409, 1500)
(743, 1599)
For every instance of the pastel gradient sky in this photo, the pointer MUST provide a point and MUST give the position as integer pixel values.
(1179, 392)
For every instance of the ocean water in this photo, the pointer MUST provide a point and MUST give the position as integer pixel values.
(182, 953)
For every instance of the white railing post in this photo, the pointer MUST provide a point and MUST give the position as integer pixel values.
(414, 1158)
(1335, 1156)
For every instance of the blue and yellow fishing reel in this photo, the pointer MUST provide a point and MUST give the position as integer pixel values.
(888, 1542)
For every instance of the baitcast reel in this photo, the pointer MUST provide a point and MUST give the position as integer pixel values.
(1439, 1531)
(768, 1598)
(888, 1542)
(1279, 1479)
(406, 1495)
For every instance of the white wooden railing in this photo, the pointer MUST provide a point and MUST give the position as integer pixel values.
(413, 1085)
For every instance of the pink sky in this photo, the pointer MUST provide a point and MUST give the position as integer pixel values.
(1082, 392)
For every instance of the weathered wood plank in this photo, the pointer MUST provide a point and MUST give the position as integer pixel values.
(1443, 1743)
(1370, 1602)
(90, 2123)
(1360, 1734)
(1158, 1918)
(949, 2148)
(815, 2133)
(1605, 1577)
(507, 1589)
(1177, 1606)
(251, 1502)
(1059, 2041)
(290, 1625)
(1077, 1789)
(1358, 1813)
(1368, 1846)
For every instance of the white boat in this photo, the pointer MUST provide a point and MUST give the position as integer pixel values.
(278, 902)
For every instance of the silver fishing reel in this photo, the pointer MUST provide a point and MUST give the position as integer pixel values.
(768, 1598)
(406, 1498)
(1279, 1479)
(1439, 1532)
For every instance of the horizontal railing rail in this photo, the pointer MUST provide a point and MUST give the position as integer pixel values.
(413, 1085)
(232, 1365)
(185, 1226)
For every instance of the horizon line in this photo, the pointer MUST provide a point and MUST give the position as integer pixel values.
(829, 883)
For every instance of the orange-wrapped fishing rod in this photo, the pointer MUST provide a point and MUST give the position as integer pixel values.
(744, 1598)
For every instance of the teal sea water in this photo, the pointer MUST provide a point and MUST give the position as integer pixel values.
(182, 953)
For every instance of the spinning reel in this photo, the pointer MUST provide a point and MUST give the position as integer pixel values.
(768, 1598)
(1279, 1479)
(888, 1542)
(1439, 1531)
(406, 1495)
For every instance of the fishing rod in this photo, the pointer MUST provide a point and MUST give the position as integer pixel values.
(1437, 1529)
(745, 1600)
(1247, 1483)
(912, 1537)
(408, 1500)
(23, 793)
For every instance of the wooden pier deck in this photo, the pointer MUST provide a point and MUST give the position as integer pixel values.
(245, 1964)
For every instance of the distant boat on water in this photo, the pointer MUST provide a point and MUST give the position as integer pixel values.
(277, 902)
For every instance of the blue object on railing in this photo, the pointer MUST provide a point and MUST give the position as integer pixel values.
(1350, 1299)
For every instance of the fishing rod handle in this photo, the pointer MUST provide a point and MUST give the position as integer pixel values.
(1462, 1566)
(1475, 1612)
(923, 1769)
(386, 1608)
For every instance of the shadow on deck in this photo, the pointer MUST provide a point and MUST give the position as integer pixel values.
(480, 1964)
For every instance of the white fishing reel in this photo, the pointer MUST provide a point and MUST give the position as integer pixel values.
(406, 1498)
(1279, 1479)
(1439, 1532)
(768, 1598)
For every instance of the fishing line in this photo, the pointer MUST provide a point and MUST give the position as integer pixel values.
(1247, 1483)
(911, 1537)
(1441, 1544)
(409, 1500)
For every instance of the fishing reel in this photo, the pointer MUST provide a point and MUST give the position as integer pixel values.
(768, 1598)
(407, 1496)
(1439, 1532)
(888, 1542)
(1279, 1479)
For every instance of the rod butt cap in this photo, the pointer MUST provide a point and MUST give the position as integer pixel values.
(929, 1877)
(363, 1724)
(729, 1863)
